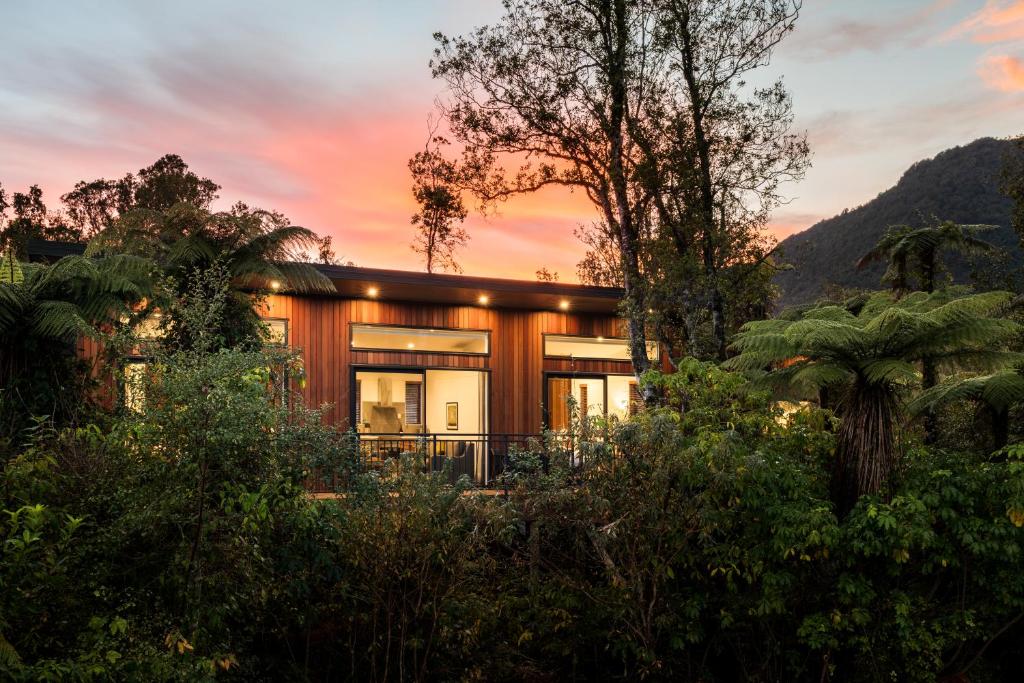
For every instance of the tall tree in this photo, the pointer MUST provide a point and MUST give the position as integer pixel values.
(919, 251)
(732, 145)
(548, 88)
(93, 205)
(642, 105)
(436, 187)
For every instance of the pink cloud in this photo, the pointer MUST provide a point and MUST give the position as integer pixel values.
(997, 22)
(1003, 72)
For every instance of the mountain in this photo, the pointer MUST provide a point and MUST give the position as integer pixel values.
(960, 184)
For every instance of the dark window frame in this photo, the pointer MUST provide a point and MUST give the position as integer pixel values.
(428, 328)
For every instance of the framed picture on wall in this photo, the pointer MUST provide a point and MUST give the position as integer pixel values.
(452, 413)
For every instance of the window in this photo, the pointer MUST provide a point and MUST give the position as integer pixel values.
(584, 403)
(413, 404)
(359, 402)
(134, 385)
(596, 348)
(414, 339)
(277, 331)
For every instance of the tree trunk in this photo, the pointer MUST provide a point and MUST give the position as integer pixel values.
(716, 305)
(632, 279)
(1000, 427)
(866, 451)
(929, 378)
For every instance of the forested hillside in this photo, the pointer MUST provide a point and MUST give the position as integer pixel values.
(960, 184)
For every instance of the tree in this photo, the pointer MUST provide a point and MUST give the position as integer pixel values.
(727, 150)
(548, 87)
(325, 251)
(439, 231)
(31, 220)
(42, 313)
(92, 206)
(259, 248)
(545, 275)
(638, 105)
(918, 251)
(867, 358)
(998, 392)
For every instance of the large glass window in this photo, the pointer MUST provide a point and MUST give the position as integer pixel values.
(379, 337)
(596, 348)
(417, 401)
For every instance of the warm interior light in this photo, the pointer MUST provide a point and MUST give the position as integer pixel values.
(564, 304)
(483, 299)
(372, 292)
(600, 339)
(275, 285)
(410, 345)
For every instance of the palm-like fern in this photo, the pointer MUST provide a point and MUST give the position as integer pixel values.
(869, 357)
(998, 392)
(258, 248)
(44, 311)
(905, 248)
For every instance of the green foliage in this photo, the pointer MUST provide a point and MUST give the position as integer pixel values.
(867, 353)
(42, 315)
(699, 543)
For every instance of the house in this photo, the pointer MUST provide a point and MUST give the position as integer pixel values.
(470, 364)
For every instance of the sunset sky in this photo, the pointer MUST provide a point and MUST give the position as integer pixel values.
(313, 108)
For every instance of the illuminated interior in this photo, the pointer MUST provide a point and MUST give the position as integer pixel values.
(590, 394)
(419, 339)
(449, 402)
(597, 348)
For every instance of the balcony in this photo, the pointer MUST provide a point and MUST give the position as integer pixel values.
(481, 458)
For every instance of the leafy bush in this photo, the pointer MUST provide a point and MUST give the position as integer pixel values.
(698, 543)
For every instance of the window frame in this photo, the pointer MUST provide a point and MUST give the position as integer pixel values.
(475, 354)
(584, 337)
(287, 330)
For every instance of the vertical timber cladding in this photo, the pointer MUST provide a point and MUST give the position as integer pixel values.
(319, 327)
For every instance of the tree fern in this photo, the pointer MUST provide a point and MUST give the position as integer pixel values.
(870, 358)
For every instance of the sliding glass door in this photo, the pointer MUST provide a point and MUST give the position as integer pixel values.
(612, 396)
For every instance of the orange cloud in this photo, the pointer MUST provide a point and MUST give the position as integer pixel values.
(997, 22)
(1003, 72)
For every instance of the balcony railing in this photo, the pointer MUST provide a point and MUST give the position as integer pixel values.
(482, 458)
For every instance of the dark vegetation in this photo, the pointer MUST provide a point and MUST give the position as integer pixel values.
(841, 500)
(963, 184)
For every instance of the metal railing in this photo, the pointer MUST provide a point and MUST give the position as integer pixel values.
(482, 458)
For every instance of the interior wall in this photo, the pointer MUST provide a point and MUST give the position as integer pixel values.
(618, 395)
(370, 390)
(468, 389)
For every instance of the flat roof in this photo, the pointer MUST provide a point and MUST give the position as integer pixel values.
(382, 284)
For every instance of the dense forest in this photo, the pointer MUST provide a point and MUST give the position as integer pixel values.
(960, 184)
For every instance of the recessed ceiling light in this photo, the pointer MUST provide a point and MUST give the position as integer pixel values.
(564, 304)
(600, 339)
(372, 292)
(410, 345)
(275, 285)
(483, 299)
